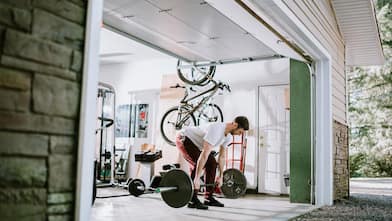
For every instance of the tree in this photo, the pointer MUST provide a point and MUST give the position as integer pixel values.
(370, 107)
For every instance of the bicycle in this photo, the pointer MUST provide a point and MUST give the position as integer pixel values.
(195, 75)
(183, 115)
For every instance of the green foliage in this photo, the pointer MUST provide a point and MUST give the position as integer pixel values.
(370, 107)
(357, 161)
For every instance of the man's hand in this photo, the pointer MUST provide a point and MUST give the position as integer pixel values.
(196, 183)
(219, 181)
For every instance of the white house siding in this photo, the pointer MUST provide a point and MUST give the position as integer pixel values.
(318, 16)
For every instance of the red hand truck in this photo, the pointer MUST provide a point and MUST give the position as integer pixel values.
(239, 141)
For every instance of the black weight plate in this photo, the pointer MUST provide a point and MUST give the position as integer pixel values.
(180, 197)
(234, 183)
(133, 187)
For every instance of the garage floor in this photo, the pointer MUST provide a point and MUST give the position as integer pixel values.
(151, 207)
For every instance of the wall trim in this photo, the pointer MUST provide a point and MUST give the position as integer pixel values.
(87, 123)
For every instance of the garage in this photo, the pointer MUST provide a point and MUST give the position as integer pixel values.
(143, 47)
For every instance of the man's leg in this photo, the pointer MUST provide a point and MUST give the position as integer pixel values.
(210, 172)
(191, 154)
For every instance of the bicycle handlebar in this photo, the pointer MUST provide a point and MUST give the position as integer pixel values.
(224, 86)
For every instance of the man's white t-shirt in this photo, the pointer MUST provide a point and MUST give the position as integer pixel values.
(212, 133)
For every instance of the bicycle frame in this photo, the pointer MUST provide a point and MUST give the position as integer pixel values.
(185, 106)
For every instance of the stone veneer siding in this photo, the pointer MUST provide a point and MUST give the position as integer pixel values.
(341, 175)
(41, 55)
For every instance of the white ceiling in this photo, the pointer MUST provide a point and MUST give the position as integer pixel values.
(191, 29)
(115, 48)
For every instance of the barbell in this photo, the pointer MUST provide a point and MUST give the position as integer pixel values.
(176, 187)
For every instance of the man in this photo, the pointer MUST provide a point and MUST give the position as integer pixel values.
(196, 144)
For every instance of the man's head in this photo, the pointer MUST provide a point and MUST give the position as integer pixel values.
(240, 125)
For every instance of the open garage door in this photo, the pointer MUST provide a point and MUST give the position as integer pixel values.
(196, 30)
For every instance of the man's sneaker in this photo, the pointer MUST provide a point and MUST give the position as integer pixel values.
(195, 203)
(211, 201)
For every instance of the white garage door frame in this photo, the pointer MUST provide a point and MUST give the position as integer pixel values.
(323, 135)
(322, 140)
(88, 110)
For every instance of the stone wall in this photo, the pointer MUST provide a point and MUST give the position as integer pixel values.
(41, 48)
(341, 161)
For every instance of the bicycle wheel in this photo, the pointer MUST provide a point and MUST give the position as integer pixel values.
(212, 113)
(168, 124)
(195, 75)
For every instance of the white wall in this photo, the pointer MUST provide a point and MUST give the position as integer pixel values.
(143, 79)
(136, 76)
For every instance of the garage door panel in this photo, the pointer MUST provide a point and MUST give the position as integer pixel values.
(149, 16)
(212, 50)
(135, 8)
(140, 33)
(207, 20)
(116, 4)
(190, 29)
(250, 47)
(173, 4)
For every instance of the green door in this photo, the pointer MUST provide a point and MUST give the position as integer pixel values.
(300, 132)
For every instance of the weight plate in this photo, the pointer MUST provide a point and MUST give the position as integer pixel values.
(234, 183)
(136, 187)
(180, 197)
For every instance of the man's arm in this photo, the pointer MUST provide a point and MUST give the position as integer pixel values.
(201, 162)
(221, 161)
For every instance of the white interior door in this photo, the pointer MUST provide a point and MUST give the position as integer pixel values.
(273, 135)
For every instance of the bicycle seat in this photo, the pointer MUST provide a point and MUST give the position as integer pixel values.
(223, 86)
(177, 86)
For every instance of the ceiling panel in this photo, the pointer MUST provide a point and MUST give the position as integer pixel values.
(190, 29)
